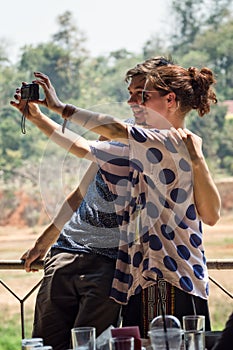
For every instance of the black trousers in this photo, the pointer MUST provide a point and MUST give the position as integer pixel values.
(74, 292)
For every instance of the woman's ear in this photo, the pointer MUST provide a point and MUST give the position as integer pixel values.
(171, 98)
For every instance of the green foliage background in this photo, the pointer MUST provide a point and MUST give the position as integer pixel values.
(199, 33)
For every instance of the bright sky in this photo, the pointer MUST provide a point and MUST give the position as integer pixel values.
(109, 25)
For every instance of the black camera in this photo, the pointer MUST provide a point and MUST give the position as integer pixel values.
(30, 92)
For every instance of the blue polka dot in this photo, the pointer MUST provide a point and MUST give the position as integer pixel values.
(170, 263)
(198, 271)
(145, 264)
(155, 243)
(154, 155)
(164, 202)
(149, 181)
(167, 232)
(183, 252)
(178, 195)
(136, 164)
(145, 237)
(191, 212)
(186, 284)
(184, 165)
(159, 272)
(166, 176)
(195, 240)
(169, 146)
(137, 259)
(138, 135)
(152, 210)
(180, 223)
(130, 280)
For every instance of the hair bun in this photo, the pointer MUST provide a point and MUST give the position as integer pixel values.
(192, 71)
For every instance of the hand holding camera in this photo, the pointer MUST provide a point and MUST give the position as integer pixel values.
(51, 100)
(30, 93)
(27, 99)
(27, 93)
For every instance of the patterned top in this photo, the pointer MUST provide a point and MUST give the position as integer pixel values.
(161, 233)
(93, 227)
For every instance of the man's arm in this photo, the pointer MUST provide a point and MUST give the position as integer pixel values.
(74, 199)
(51, 233)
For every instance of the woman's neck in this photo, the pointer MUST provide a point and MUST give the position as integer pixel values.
(177, 121)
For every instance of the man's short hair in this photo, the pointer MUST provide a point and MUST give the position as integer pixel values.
(146, 66)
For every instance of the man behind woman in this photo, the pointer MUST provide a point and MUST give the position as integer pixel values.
(169, 189)
(84, 236)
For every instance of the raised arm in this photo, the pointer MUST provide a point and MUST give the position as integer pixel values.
(102, 124)
(69, 140)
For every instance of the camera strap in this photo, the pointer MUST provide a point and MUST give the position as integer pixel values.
(23, 119)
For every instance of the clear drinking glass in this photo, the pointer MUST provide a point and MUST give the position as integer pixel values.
(165, 333)
(83, 338)
(121, 343)
(194, 332)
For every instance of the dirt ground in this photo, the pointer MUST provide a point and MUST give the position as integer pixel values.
(15, 241)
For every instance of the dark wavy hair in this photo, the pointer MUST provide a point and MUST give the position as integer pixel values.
(148, 65)
(193, 87)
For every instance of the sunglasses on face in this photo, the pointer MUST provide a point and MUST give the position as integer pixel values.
(146, 96)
